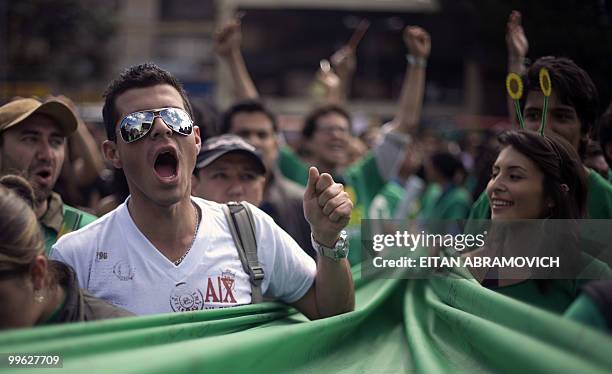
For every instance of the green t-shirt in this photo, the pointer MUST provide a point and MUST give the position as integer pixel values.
(292, 166)
(453, 203)
(72, 220)
(362, 182)
(385, 203)
(556, 295)
(599, 200)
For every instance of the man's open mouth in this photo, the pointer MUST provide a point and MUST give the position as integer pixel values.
(44, 174)
(166, 165)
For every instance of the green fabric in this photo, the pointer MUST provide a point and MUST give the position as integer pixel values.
(445, 324)
(452, 204)
(584, 310)
(73, 220)
(558, 294)
(599, 200)
(292, 166)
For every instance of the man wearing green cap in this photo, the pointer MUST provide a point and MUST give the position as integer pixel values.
(32, 144)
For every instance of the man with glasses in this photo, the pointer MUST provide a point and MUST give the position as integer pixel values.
(164, 251)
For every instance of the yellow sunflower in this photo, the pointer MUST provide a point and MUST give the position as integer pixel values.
(545, 84)
(514, 86)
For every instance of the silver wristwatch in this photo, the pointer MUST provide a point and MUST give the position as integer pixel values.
(339, 251)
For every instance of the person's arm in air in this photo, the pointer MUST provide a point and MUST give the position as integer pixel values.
(517, 46)
(327, 208)
(330, 81)
(86, 156)
(408, 113)
(344, 62)
(337, 81)
(390, 152)
(227, 46)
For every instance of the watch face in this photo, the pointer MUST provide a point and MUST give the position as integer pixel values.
(341, 253)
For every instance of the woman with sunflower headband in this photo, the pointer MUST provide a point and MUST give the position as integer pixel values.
(537, 192)
(571, 112)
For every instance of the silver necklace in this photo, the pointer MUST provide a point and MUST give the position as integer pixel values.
(195, 234)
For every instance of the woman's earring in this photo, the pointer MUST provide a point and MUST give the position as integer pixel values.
(39, 297)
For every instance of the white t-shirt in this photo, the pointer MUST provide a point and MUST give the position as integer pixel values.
(114, 261)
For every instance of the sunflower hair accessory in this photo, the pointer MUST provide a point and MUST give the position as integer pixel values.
(514, 86)
(546, 86)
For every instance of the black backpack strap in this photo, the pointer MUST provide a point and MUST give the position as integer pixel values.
(242, 227)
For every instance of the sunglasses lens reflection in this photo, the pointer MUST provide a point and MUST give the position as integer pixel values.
(135, 125)
(178, 120)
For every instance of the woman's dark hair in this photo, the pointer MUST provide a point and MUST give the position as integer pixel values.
(564, 177)
(310, 122)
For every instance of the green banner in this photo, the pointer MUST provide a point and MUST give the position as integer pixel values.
(443, 324)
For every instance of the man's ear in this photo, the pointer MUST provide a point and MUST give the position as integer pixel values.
(111, 153)
(198, 139)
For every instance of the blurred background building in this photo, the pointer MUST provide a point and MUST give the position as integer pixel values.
(75, 47)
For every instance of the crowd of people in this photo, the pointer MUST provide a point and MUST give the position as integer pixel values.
(136, 225)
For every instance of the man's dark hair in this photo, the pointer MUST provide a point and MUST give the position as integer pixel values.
(605, 132)
(447, 164)
(572, 86)
(244, 106)
(138, 76)
(310, 123)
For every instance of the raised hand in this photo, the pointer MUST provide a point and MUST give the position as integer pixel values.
(327, 207)
(344, 61)
(516, 40)
(227, 38)
(417, 41)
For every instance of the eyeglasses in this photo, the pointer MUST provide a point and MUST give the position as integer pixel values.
(331, 128)
(136, 125)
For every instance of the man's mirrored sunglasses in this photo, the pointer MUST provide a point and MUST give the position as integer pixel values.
(136, 125)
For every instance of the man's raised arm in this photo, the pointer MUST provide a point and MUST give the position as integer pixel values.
(227, 46)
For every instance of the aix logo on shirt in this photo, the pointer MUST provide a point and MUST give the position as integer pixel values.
(219, 290)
